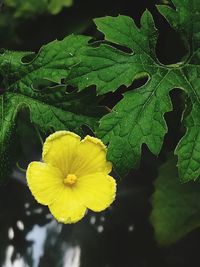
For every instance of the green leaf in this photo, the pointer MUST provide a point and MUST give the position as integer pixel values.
(52, 111)
(176, 206)
(7, 122)
(53, 63)
(139, 117)
(107, 67)
(51, 108)
(127, 127)
(55, 6)
(26, 8)
(125, 54)
(29, 8)
(185, 20)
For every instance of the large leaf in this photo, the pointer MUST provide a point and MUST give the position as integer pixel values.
(185, 19)
(51, 108)
(139, 117)
(176, 206)
(53, 63)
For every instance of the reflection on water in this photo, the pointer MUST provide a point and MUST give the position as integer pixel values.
(37, 236)
(72, 257)
(18, 262)
(121, 236)
(31, 237)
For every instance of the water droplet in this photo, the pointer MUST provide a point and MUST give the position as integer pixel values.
(28, 213)
(100, 229)
(102, 219)
(92, 220)
(38, 211)
(131, 228)
(20, 225)
(26, 205)
(11, 233)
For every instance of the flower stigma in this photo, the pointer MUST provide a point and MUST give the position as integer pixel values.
(70, 179)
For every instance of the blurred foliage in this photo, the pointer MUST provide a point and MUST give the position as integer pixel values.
(28, 8)
(176, 206)
(16, 13)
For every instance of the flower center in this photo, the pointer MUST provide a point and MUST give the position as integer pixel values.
(70, 179)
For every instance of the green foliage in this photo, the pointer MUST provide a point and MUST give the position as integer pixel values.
(51, 108)
(139, 117)
(55, 6)
(53, 63)
(176, 206)
(29, 8)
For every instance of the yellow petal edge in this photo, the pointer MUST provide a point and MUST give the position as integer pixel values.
(74, 176)
(52, 137)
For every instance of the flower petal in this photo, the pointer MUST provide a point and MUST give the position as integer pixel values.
(91, 158)
(68, 208)
(96, 190)
(59, 150)
(44, 181)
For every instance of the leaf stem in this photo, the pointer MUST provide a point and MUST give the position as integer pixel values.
(175, 65)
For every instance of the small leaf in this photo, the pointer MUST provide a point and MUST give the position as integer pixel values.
(55, 6)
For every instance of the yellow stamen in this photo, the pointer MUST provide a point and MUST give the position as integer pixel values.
(70, 179)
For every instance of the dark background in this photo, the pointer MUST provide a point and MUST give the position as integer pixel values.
(122, 235)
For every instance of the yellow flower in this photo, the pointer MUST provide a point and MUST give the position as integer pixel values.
(73, 177)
